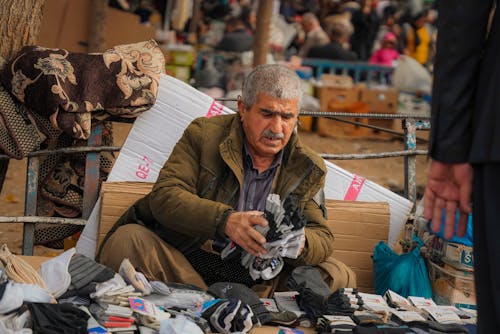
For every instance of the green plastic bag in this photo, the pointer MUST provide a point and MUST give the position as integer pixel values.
(405, 274)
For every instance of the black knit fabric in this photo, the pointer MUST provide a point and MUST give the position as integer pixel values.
(213, 269)
(58, 319)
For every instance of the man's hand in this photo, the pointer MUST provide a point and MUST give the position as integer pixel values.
(239, 228)
(449, 187)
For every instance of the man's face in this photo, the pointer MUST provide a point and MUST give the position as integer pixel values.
(268, 124)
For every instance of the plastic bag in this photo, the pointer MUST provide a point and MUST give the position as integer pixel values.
(411, 77)
(466, 239)
(405, 274)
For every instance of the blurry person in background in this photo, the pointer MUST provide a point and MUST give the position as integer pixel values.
(336, 50)
(465, 141)
(365, 22)
(418, 37)
(236, 37)
(314, 34)
(388, 53)
(389, 23)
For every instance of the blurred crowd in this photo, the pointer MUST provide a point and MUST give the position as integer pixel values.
(375, 31)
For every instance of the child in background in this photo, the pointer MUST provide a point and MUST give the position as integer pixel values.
(387, 54)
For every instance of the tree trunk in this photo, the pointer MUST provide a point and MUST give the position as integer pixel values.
(19, 26)
(261, 40)
(97, 25)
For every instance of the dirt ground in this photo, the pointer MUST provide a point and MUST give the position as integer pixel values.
(388, 172)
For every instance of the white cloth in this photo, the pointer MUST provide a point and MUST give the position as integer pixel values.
(17, 293)
(179, 325)
(55, 272)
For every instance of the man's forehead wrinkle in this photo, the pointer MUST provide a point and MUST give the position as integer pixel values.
(276, 112)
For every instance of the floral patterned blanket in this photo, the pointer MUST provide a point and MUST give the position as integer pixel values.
(67, 87)
(52, 90)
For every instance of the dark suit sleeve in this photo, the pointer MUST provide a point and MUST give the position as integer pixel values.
(462, 31)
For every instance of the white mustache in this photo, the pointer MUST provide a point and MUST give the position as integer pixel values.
(268, 133)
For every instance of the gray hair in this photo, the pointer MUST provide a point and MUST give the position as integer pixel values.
(273, 79)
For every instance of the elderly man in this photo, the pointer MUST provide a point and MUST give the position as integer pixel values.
(214, 187)
(315, 35)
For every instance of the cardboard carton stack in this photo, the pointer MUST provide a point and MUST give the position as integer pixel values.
(337, 93)
(451, 271)
(380, 100)
(358, 227)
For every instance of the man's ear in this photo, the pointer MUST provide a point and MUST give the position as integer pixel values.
(241, 108)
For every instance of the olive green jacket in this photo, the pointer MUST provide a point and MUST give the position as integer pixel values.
(200, 184)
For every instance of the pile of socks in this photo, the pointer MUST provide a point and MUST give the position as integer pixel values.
(344, 301)
(313, 291)
(228, 315)
(315, 297)
(284, 238)
(228, 290)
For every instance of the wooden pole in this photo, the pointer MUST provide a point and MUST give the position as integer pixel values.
(19, 26)
(97, 25)
(193, 25)
(261, 39)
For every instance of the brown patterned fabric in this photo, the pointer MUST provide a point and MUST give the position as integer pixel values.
(59, 95)
(66, 87)
(18, 132)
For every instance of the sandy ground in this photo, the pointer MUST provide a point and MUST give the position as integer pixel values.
(388, 172)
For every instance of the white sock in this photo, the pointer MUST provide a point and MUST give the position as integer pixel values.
(12, 298)
(55, 272)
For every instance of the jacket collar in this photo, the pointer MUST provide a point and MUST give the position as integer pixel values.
(297, 162)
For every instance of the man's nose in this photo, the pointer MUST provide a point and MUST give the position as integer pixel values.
(276, 124)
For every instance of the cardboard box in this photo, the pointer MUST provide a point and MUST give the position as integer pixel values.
(338, 129)
(306, 123)
(459, 256)
(383, 101)
(358, 227)
(116, 198)
(65, 24)
(341, 184)
(156, 131)
(451, 286)
(341, 96)
(337, 81)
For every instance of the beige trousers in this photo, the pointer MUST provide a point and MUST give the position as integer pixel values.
(157, 260)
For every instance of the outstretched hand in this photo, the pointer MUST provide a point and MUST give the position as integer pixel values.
(449, 186)
(240, 229)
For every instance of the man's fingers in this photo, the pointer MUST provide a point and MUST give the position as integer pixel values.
(465, 197)
(462, 224)
(449, 224)
(258, 220)
(256, 236)
(437, 213)
(251, 246)
(429, 199)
